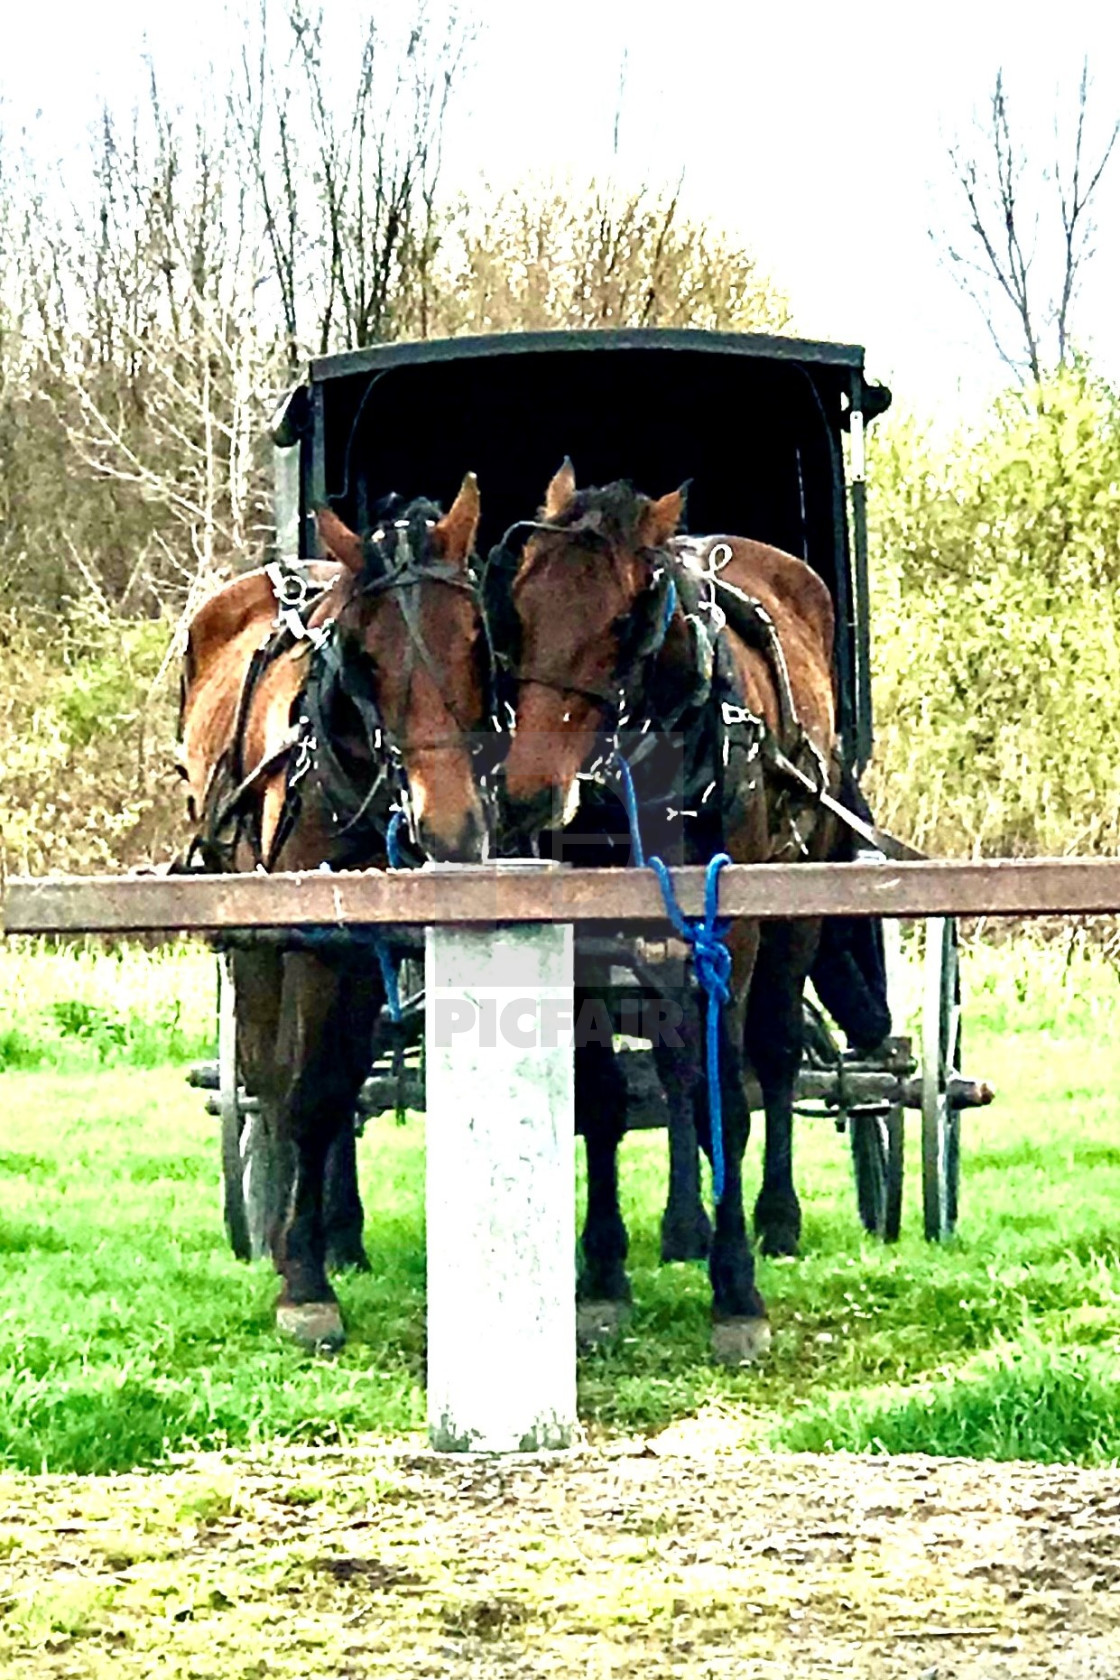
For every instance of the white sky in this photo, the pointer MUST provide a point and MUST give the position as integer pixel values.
(816, 131)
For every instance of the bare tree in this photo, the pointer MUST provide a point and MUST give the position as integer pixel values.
(1013, 268)
(347, 183)
(154, 364)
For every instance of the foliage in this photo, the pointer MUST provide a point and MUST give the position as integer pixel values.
(87, 729)
(996, 627)
(561, 254)
(1003, 1343)
(150, 317)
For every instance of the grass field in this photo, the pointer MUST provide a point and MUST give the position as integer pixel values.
(127, 1331)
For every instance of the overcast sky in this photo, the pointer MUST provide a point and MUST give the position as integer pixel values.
(815, 131)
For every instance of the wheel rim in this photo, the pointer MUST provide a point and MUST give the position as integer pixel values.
(229, 1108)
(869, 1161)
(941, 1034)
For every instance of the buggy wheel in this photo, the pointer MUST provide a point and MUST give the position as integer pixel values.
(229, 1109)
(260, 1187)
(250, 1189)
(941, 1057)
(877, 1159)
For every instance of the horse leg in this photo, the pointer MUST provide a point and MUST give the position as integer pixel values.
(740, 1327)
(603, 1288)
(774, 1029)
(326, 1020)
(686, 1231)
(258, 980)
(343, 1214)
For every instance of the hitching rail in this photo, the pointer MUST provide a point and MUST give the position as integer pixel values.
(482, 895)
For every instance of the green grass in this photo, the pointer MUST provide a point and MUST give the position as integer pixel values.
(87, 1005)
(127, 1330)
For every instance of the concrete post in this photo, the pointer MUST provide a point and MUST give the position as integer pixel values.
(500, 1172)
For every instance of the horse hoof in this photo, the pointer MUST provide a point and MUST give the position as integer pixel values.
(598, 1323)
(740, 1341)
(317, 1325)
(780, 1242)
(692, 1241)
(348, 1257)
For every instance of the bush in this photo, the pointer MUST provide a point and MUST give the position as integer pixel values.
(81, 1006)
(87, 732)
(997, 628)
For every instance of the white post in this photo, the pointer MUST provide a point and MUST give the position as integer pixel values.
(500, 1170)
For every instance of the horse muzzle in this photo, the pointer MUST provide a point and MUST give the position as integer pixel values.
(469, 843)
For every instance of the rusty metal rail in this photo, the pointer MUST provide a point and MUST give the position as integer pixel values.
(485, 894)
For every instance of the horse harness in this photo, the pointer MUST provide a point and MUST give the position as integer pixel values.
(727, 748)
(715, 730)
(359, 795)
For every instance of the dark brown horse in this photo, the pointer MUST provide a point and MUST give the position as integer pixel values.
(609, 626)
(300, 736)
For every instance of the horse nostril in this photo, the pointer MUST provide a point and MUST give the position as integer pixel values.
(528, 815)
(469, 845)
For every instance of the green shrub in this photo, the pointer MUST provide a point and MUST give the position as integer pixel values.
(82, 1005)
(87, 733)
(996, 625)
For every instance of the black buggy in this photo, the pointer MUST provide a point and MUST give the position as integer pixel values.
(770, 434)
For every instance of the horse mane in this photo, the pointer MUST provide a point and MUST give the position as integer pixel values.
(611, 510)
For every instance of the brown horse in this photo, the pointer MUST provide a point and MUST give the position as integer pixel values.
(609, 626)
(300, 735)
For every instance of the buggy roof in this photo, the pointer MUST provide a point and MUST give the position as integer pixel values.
(725, 410)
(753, 422)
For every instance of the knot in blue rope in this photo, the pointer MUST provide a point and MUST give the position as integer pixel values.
(710, 956)
(712, 962)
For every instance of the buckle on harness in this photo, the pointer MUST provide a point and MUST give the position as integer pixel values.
(316, 635)
(290, 588)
(733, 714)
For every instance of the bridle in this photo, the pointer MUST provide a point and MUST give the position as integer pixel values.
(641, 633)
(357, 811)
(405, 579)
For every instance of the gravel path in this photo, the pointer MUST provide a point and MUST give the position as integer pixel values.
(684, 1556)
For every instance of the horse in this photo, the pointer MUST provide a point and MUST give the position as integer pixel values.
(849, 976)
(600, 622)
(315, 703)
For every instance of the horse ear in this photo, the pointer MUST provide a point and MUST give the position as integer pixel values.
(339, 541)
(559, 494)
(453, 538)
(658, 521)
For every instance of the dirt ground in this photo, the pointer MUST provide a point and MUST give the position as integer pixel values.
(684, 1556)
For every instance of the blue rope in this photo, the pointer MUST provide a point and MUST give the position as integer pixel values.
(390, 975)
(392, 840)
(630, 800)
(711, 958)
(712, 962)
(389, 978)
(670, 608)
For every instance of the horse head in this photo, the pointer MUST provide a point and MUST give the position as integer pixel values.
(589, 604)
(409, 615)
